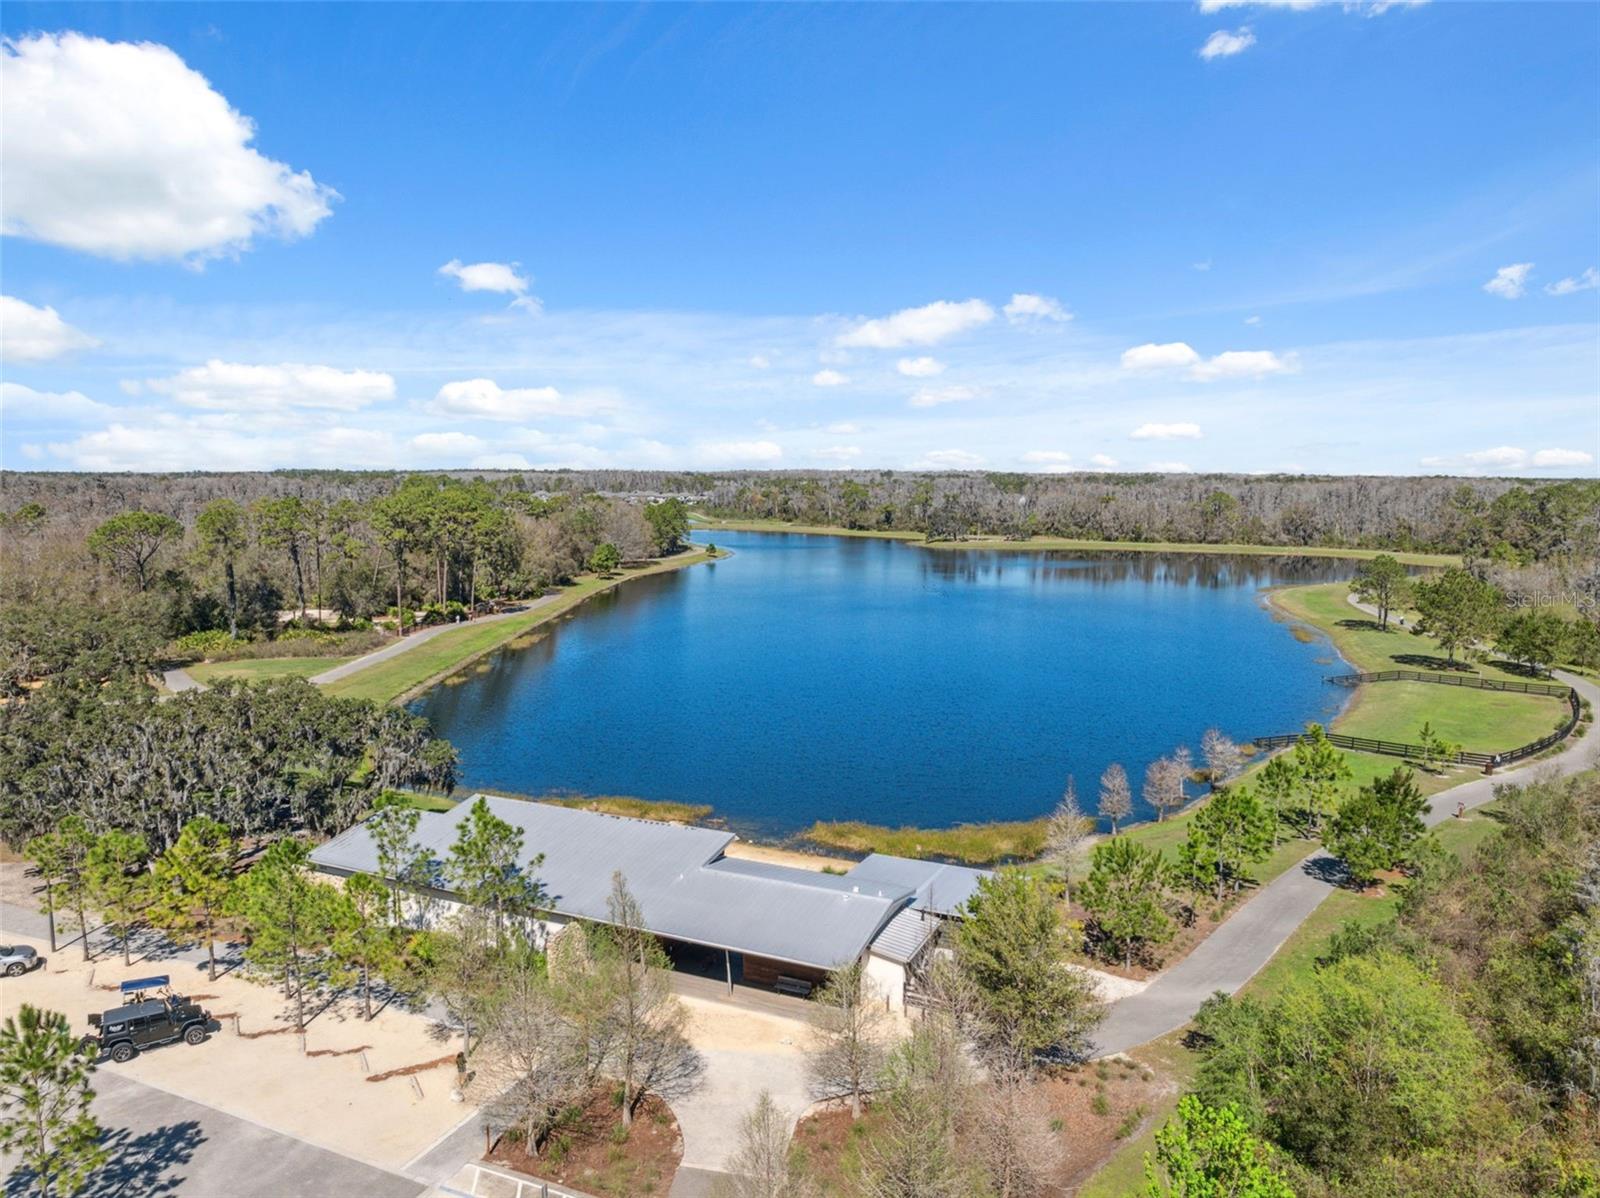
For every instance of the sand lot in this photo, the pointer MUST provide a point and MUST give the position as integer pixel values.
(324, 1100)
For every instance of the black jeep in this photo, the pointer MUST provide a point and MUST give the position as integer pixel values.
(121, 1033)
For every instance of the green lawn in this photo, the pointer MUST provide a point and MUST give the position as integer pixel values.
(257, 668)
(712, 523)
(396, 677)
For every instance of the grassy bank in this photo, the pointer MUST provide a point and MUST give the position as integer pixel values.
(712, 523)
(1483, 721)
(974, 844)
(662, 810)
(408, 673)
(255, 669)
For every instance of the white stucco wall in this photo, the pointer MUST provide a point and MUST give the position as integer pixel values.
(888, 979)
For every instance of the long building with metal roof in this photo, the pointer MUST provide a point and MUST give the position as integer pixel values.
(778, 921)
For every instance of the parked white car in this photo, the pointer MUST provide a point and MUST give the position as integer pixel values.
(17, 959)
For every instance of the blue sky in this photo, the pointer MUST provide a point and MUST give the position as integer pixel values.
(1215, 236)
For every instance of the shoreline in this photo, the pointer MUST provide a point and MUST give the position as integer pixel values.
(702, 522)
(362, 683)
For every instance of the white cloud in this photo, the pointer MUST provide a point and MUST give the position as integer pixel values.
(237, 386)
(1103, 461)
(1370, 8)
(737, 453)
(1544, 459)
(29, 334)
(1589, 280)
(842, 430)
(1223, 44)
(949, 459)
(447, 445)
(926, 325)
(1048, 460)
(932, 397)
(1202, 267)
(24, 405)
(919, 368)
(1510, 282)
(1159, 357)
(829, 378)
(1169, 468)
(1183, 431)
(498, 277)
(1025, 308)
(485, 399)
(121, 150)
(500, 461)
(1242, 363)
(840, 453)
(760, 361)
(1511, 457)
(1252, 320)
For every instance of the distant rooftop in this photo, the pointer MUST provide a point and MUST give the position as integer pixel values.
(686, 888)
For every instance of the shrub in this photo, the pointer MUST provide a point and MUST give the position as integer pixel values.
(196, 646)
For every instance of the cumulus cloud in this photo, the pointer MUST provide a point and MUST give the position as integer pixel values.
(1589, 280)
(1511, 457)
(451, 445)
(120, 149)
(1182, 431)
(1169, 468)
(927, 325)
(1370, 8)
(485, 399)
(1026, 308)
(24, 406)
(1232, 364)
(498, 277)
(1223, 44)
(166, 441)
(500, 461)
(1048, 459)
(933, 397)
(829, 378)
(1159, 357)
(1103, 461)
(1242, 364)
(242, 387)
(949, 459)
(919, 368)
(1510, 282)
(737, 453)
(840, 453)
(29, 334)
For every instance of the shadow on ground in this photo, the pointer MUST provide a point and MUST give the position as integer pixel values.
(137, 1166)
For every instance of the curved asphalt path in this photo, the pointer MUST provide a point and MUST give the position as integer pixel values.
(1236, 951)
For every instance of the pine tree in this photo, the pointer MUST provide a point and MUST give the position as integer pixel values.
(44, 1102)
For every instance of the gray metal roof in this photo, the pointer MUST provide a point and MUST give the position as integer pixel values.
(906, 935)
(939, 888)
(685, 887)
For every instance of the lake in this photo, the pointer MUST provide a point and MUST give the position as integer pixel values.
(813, 677)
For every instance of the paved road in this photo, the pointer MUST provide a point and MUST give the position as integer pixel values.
(406, 644)
(178, 681)
(162, 1144)
(1232, 955)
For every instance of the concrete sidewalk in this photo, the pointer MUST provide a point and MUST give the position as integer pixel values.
(422, 637)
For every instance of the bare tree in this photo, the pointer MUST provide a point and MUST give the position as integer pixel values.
(1221, 756)
(1163, 785)
(1116, 796)
(526, 1063)
(913, 1151)
(649, 1046)
(1068, 831)
(1006, 1129)
(762, 1167)
(846, 1051)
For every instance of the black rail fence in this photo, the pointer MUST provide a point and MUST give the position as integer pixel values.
(1363, 744)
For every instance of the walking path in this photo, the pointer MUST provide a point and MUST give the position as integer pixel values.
(178, 681)
(1233, 954)
(407, 643)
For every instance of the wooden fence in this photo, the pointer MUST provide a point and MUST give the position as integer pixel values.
(1363, 744)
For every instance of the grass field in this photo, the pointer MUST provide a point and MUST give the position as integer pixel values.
(712, 523)
(974, 844)
(406, 673)
(254, 669)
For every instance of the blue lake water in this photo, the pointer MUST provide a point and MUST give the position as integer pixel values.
(811, 678)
